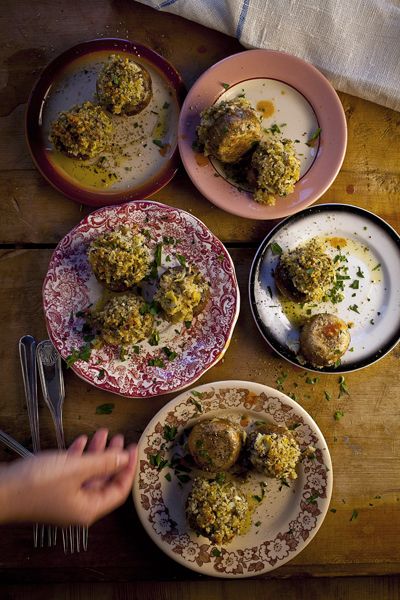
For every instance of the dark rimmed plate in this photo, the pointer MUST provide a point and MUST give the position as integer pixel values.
(371, 249)
(135, 167)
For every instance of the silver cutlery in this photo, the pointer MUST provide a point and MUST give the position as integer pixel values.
(12, 444)
(52, 381)
(27, 354)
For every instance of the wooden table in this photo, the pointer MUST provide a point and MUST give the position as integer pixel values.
(364, 444)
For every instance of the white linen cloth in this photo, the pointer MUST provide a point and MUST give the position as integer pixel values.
(355, 43)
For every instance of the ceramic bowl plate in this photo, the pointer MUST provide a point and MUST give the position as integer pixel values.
(290, 94)
(143, 156)
(70, 286)
(285, 520)
(369, 249)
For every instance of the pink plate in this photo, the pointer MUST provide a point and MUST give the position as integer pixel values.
(291, 95)
(70, 287)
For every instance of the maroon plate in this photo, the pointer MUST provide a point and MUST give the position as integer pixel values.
(143, 155)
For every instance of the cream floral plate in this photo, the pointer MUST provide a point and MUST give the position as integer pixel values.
(283, 523)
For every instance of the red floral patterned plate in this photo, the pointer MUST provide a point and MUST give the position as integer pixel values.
(70, 287)
(286, 519)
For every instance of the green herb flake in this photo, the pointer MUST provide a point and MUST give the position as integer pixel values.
(276, 249)
(313, 137)
(355, 285)
(226, 86)
(188, 324)
(82, 354)
(136, 349)
(343, 389)
(257, 524)
(105, 409)
(159, 143)
(168, 476)
(197, 394)
(312, 499)
(312, 380)
(338, 415)
(221, 257)
(359, 273)
(170, 433)
(158, 254)
(220, 478)
(216, 552)
(170, 354)
(156, 362)
(101, 374)
(354, 515)
(354, 308)
(333, 510)
(154, 338)
(378, 266)
(327, 395)
(181, 259)
(165, 105)
(257, 498)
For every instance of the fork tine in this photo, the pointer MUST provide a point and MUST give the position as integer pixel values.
(85, 535)
(55, 529)
(71, 539)
(64, 541)
(78, 541)
(35, 535)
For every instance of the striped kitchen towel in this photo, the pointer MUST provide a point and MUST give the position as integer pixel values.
(355, 43)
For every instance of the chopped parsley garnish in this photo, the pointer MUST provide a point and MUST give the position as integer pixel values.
(156, 362)
(168, 476)
(158, 254)
(226, 86)
(360, 273)
(216, 552)
(257, 524)
(221, 257)
(354, 308)
(154, 338)
(159, 143)
(220, 478)
(312, 380)
(312, 499)
(333, 510)
(343, 389)
(257, 498)
(169, 432)
(188, 324)
(338, 415)
(354, 515)
(101, 374)
(377, 267)
(197, 394)
(166, 105)
(181, 259)
(170, 354)
(276, 249)
(168, 239)
(314, 136)
(105, 409)
(156, 460)
(82, 354)
(355, 285)
(136, 349)
(294, 426)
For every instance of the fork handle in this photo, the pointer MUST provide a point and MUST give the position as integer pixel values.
(27, 355)
(11, 443)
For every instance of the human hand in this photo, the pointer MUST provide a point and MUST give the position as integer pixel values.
(68, 487)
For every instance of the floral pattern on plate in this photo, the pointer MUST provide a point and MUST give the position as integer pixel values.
(289, 522)
(70, 287)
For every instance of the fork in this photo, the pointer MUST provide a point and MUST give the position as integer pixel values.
(11, 443)
(52, 381)
(27, 351)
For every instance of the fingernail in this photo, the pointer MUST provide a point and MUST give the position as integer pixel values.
(121, 458)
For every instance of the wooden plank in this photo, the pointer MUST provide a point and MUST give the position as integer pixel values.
(364, 447)
(348, 588)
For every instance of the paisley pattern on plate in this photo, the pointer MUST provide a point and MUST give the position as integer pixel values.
(285, 527)
(70, 287)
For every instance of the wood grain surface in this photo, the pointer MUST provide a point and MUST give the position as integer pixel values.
(364, 444)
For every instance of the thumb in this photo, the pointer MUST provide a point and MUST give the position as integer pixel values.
(103, 464)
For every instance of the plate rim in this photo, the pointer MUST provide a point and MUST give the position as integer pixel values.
(279, 348)
(341, 123)
(87, 196)
(103, 386)
(220, 385)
